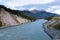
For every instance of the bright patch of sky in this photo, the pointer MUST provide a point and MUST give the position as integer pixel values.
(33, 8)
(57, 11)
(48, 5)
(54, 9)
(15, 3)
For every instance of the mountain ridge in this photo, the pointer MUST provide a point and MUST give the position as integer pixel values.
(39, 14)
(10, 17)
(7, 18)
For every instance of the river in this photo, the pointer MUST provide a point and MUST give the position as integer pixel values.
(28, 31)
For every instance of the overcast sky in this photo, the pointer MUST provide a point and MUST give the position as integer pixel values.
(49, 5)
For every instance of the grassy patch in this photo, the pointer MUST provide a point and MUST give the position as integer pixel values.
(1, 24)
(49, 18)
(57, 26)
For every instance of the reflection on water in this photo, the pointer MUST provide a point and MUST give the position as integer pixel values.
(29, 31)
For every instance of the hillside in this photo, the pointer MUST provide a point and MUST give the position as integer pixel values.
(8, 18)
(52, 27)
(38, 14)
(54, 22)
(31, 15)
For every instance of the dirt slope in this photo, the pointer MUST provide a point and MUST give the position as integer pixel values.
(8, 19)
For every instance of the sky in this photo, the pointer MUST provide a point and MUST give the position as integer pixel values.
(47, 5)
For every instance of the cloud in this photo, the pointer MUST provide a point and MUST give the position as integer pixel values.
(57, 11)
(14, 3)
(54, 9)
(33, 8)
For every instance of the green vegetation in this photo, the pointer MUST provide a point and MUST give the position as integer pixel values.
(57, 18)
(0, 24)
(49, 18)
(19, 13)
(54, 25)
(57, 26)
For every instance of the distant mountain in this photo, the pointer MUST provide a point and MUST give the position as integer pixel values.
(34, 11)
(38, 14)
(13, 17)
(30, 14)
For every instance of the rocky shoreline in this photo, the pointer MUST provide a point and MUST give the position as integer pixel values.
(2, 27)
(52, 28)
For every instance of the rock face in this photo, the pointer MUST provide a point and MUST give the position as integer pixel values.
(8, 19)
(52, 23)
(52, 27)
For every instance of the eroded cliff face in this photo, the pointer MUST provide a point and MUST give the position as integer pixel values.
(9, 19)
(52, 27)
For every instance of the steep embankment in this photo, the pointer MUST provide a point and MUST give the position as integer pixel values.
(8, 19)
